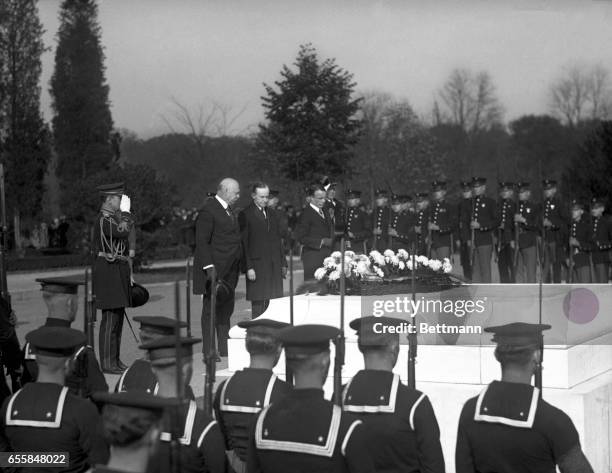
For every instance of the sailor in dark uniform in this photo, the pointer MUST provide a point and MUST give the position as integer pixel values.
(601, 241)
(380, 221)
(527, 221)
(464, 211)
(44, 416)
(420, 222)
(140, 376)
(132, 425)
(111, 272)
(304, 432)
(554, 221)
(248, 391)
(506, 208)
(441, 222)
(402, 430)
(201, 441)
(483, 221)
(580, 244)
(358, 227)
(401, 229)
(61, 299)
(509, 427)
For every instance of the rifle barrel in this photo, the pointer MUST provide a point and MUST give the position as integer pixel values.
(188, 295)
(288, 373)
(339, 361)
(412, 338)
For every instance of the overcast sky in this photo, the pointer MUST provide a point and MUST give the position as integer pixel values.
(203, 51)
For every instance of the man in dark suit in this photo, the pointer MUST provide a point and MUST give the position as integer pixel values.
(218, 245)
(263, 251)
(315, 231)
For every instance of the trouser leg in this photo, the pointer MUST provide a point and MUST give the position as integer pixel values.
(109, 337)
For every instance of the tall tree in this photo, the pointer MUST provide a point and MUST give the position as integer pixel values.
(26, 148)
(311, 124)
(82, 124)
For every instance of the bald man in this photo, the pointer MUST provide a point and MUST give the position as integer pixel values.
(218, 245)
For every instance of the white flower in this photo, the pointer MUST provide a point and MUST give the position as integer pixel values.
(389, 253)
(320, 273)
(422, 260)
(446, 266)
(395, 260)
(374, 254)
(446, 261)
(363, 258)
(380, 272)
(349, 254)
(362, 267)
(402, 254)
(329, 262)
(435, 264)
(334, 275)
(402, 265)
(336, 254)
(409, 265)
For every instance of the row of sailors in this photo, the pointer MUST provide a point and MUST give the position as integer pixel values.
(263, 424)
(509, 228)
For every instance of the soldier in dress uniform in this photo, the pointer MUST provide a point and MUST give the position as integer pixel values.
(601, 242)
(394, 217)
(303, 431)
(421, 219)
(201, 442)
(132, 426)
(483, 221)
(580, 244)
(111, 272)
(506, 208)
(139, 376)
(526, 221)
(401, 229)
(358, 228)
(380, 220)
(61, 299)
(554, 222)
(464, 211)
(44, 416)
(403, 433)
(239, 398)
(509, 427)
(441, 223)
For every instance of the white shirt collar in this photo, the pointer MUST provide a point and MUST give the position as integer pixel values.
(316, 209)
(224, 204)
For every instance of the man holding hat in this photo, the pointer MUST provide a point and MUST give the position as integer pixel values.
(401, 426)
(132, 426)
(242, 396)
(111, 272)
(303, 431)
(526, 221)
(441, 222)
(44, 416)
(380, 216)
(508, 426)
(464, 211)
(61, 299)
(201, 442)
(139, 376)
(483, 220)
(580, 244)
(601, 241)
(421, 221)
(358, 228)
(554, 221)
(506, 208)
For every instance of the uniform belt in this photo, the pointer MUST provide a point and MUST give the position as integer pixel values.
(109, 256)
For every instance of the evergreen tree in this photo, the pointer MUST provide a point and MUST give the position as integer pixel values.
(26, 148)
(311, 124)
(82, 124)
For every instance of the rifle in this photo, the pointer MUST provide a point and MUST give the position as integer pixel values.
(175, 446)
(4, 243)
(412, 337)
(538, 371)
(339, 361)
(89, 308)
(570, 271)
(498, 244)
(210, 358)
(288, 373)
(188, 295)
(516, 246)
(472, 236)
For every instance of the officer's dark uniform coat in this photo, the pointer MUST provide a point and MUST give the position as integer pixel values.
(311, 229)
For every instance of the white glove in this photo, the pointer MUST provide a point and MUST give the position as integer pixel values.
(124, 206)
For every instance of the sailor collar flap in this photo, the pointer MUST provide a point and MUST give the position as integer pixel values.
(379, 397)
(185, 439)
(249, 401)
(35, 407)
(140, 377)
(514, 405)
(323, 445)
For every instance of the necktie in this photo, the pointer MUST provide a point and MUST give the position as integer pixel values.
(321, 214)
(229, 212)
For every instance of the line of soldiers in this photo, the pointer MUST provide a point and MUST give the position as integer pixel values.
(518, 233)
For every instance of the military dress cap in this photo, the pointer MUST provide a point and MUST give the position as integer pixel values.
(465, 184)
(163, 350)
(405, 198)
(376, 331)
(263, 326)
(307, 339)
(517, 334)
(598, 202)
(111, 189)
(396, 198)
(421, 196)
(381, 191)
(576, 204)
(353, 194)
(63, 285)
(56, 341)
(479, 181)
(548, 183)
(438, 185)
(523, 185)
(135, 399)
(506, 185)
(159, 324)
